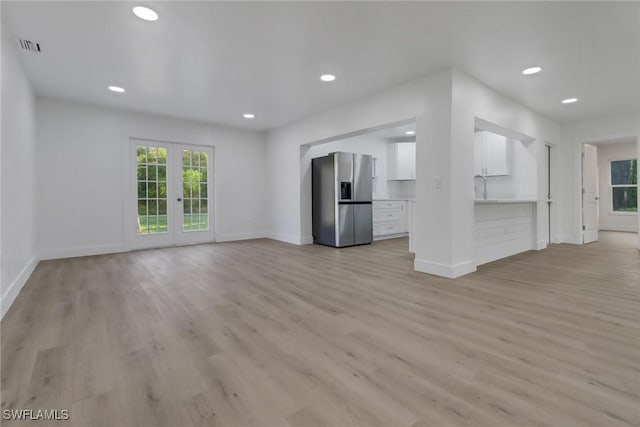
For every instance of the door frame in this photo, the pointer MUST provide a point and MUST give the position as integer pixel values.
(130, 192)
(550, 153)
(575, 147)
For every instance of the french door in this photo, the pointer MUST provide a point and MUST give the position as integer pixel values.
(172, 186)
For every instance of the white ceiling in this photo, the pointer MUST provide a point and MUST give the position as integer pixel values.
(395, 132)
(215, 61)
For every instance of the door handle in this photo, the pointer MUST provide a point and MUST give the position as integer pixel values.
(179, 199)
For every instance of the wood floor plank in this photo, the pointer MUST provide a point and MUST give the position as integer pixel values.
(267, 334)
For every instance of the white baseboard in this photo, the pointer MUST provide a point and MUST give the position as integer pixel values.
(485, 254)
(81, 251)
(569, 238)
(542, 244)
(444, 270)
(230, 237)
(390, 236)
(288, 238)
(16, 286)
(618, 228)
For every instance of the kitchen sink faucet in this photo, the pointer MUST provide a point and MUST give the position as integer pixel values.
(484, 184)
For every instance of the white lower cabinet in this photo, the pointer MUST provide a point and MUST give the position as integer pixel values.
(389, 218)
(390, 227)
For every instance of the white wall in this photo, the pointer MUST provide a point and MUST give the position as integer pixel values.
(522, 179)
(445, 196)
(398, 104)
(437, 162)
(376, 147)
(18, 250)
(445, 106)
(365, 144)
(400, 190)
(622, 127)
(453, 164)
(83, 159)
(609, 220)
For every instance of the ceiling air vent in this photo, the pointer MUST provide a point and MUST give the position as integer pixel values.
(30, 45)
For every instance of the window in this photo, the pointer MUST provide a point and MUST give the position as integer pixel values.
(624, 185)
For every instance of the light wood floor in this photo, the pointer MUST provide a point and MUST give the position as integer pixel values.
(262, 333)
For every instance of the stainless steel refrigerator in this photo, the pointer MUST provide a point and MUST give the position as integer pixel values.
(341, 187)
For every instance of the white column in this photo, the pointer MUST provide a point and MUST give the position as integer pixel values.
(444, 185)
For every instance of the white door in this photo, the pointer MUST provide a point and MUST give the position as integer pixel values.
(589, 194)
(171, 194)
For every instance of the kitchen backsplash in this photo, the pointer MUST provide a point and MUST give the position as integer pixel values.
(400, 189)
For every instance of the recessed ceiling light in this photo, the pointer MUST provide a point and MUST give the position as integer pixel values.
(327, 77)
(145, 13)
(248, 115)
(410, 132)
(116, 89)
(531, 70)
(569, 100)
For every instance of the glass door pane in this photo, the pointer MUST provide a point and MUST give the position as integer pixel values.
(151, 165)
(195, 171)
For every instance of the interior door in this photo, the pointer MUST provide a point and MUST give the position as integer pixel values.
(589, 194)
(172, 193)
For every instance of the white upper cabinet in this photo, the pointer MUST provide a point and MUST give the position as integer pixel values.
(491, 154)
(401, 161)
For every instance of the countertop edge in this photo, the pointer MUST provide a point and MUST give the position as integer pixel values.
(393, 199)
(501, 201)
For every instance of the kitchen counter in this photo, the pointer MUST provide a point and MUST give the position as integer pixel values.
(504, 227)
(392, 199)
(492, 201)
